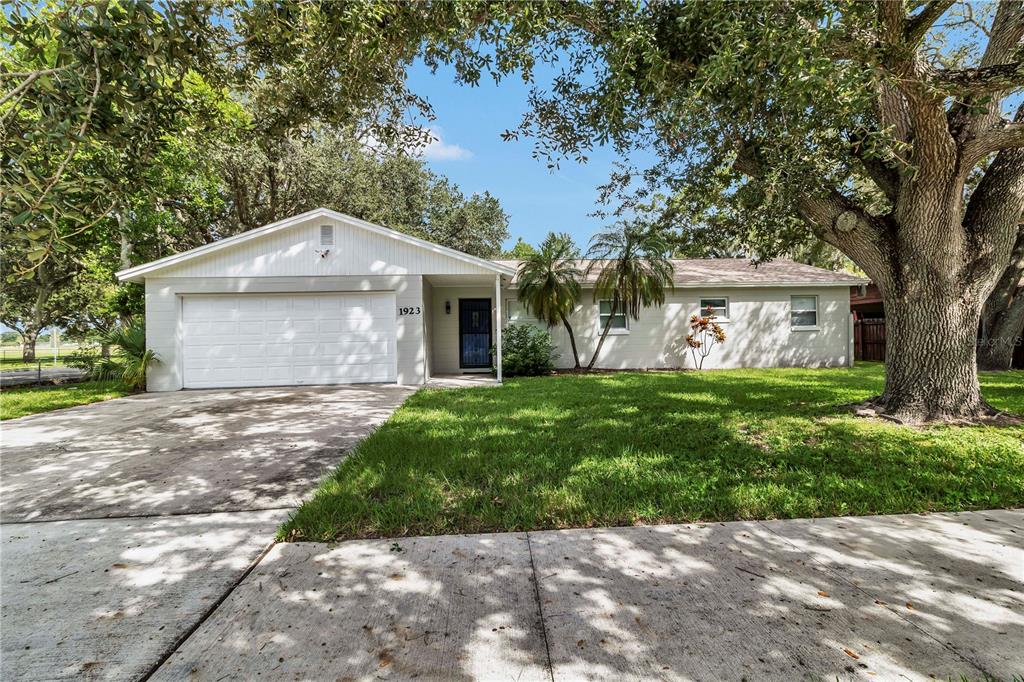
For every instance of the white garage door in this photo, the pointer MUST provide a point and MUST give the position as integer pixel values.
(282, 340)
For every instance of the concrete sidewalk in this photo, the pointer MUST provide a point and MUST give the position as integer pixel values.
(887, 597)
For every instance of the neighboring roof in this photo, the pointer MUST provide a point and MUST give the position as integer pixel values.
(139, 271)
(739, 272)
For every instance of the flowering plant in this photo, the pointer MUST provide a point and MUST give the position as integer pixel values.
(704, 335)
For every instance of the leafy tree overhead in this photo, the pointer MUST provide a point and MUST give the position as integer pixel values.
(32, 303)
(92, 79)
(266, 180)
(521, 250)
(549, 284)
(857, 123)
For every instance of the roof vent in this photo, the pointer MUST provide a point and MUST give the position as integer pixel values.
(327, 235)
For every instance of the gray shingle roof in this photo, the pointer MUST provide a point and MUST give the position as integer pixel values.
(697, 271)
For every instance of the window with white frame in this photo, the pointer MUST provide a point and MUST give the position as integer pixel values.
(719, 306)
(619, 322)
(803, 312)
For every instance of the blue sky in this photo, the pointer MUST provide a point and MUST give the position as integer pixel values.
(470, 151)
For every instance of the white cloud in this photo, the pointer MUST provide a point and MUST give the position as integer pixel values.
(439, 150)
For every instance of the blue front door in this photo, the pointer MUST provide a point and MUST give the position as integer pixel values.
(474, 333)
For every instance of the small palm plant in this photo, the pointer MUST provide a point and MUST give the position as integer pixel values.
(633, 272)
(549, 284)
(130, 361)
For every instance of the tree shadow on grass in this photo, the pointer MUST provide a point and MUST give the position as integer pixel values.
(619, 449)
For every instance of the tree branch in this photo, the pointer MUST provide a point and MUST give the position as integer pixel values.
(835, 218)
(885, 177)
(1006, 135)
(1006, 288)
(980, 80)
(917, 26)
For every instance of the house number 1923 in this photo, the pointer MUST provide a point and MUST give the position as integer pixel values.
(412, 310)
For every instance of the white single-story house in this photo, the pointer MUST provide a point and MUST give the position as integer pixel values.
(324, 298)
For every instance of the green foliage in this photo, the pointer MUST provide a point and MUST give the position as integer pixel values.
(19, 402)
(548, 283)
(632, 267)
(90, 91)
(128, 364)
(633, 271)
(85, 359)
(266, 180)
(29, 300)
(521, 250)
(526, 351)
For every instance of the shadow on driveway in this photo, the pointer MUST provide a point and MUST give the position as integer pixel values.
(185, 452)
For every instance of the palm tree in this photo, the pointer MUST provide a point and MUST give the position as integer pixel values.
(132, 359)
(549, 283)
(633, 271)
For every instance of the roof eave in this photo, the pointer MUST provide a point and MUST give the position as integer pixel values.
(750, 285)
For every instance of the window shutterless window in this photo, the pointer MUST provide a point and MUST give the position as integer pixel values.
(618, 322)
(803, 312)
(719, 306)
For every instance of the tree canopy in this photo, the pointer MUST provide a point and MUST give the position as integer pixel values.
(892, 131)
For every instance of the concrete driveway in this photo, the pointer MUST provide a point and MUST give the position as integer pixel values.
(185, 452)
(124, 522)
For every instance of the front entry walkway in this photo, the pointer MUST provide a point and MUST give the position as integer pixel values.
(462, 380)
(889, 597)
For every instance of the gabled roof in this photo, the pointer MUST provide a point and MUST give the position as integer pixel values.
(737, 272)
(139, 271)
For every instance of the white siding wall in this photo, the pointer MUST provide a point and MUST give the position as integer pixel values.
(445, 339)
(291, 252)
(758, 333)
(163, 315)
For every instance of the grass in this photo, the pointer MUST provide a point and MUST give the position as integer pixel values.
(10, 358)
(627, 448)
(18, 402)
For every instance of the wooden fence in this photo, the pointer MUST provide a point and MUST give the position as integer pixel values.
(869, 339)
(869, 342)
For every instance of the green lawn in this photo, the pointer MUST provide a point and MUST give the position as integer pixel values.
(18, 402)
(10, 357)
(627, 448)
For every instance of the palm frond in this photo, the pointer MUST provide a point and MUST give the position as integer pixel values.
(131, 359)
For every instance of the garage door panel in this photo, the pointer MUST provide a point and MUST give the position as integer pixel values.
(257, 327)
(251, 350)
(261, 340)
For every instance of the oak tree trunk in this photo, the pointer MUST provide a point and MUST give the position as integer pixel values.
(28, 349)
(930, 360)
(1002, 318)
(1001, 338)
